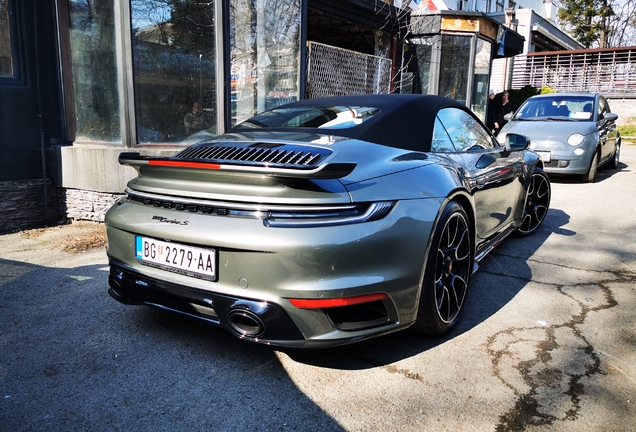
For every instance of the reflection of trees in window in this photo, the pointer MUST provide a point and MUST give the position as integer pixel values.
(455, 63)
(441, 142)
(6, 59)
(463, 129)
(94, 66)
(174, 61)
(264, 43)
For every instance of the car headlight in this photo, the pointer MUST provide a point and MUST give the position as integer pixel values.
(575, 139)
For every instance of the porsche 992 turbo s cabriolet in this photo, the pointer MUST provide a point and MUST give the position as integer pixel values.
(325, 221)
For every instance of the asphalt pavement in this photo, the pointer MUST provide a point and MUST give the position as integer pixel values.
(547, 342)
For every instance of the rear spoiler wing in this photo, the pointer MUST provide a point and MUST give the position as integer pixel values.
(326, 171)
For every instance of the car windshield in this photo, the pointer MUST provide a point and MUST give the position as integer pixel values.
(574, 108)
(333, 117)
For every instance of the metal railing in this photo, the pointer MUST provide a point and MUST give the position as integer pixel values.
(335, 71)
(611, 72)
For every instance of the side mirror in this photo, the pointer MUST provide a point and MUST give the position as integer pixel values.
(610, 116)
(508, 116)
(516, 142)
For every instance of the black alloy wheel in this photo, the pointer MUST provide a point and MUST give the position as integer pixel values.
(448, 269)
(537, 203)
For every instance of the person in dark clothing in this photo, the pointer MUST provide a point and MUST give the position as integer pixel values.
(195, 120)
(490, 111)
(502, 108)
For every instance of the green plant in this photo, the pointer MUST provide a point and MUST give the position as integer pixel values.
(627, 130)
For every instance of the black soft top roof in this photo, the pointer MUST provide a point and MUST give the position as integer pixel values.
(405, 121)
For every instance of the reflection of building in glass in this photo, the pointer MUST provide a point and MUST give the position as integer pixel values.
(174, 61)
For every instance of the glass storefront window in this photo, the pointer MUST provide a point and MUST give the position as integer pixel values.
(264, 50)
(96, 98)
(174, 70)
(481, 78)
(417, 66)
(454, 67)
(6, 56)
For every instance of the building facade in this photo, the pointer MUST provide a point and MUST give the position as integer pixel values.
(83, 80)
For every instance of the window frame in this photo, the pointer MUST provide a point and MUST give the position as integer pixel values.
(17, 78)
(126, 85)
(125, 77)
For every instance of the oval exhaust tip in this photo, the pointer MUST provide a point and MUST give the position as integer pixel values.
(245, 323)
(117, 287)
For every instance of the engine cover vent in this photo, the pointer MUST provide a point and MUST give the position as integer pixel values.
(281, 155)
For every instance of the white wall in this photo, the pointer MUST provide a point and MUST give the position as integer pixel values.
(546, 9)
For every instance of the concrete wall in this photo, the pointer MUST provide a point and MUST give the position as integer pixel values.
(96, 168)
(90, 179)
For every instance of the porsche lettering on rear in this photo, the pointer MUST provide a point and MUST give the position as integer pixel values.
(170, 221)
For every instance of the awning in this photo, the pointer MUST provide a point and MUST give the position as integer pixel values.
(367, 13)
(509, 43)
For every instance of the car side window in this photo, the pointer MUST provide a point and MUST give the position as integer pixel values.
(606, 106)
(466, 133)
(441, 142)
(602, 107)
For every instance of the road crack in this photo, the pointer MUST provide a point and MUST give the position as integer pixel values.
(547, 366)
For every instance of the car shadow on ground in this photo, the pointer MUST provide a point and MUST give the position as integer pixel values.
(71, 357)
(491, 288)
(74, 356)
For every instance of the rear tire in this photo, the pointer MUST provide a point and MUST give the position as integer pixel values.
(447, 272)
(590, 175)
(613, 163)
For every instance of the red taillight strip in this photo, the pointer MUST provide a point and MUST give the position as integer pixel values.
(337, 302)
(183, 164)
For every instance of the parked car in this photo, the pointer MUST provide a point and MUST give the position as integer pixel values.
(574, 133)
(325, 221)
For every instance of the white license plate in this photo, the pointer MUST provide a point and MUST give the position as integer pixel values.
(178, 258)
(545, 156)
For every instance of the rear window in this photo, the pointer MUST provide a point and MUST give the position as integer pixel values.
(332, 117)
(570, 107)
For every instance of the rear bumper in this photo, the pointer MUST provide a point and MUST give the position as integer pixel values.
(252, 320)
(260, 268)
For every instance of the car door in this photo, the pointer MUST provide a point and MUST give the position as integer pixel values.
(607, 129)
(491, 172)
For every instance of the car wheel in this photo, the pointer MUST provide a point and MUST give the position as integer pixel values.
(537, 203)
(613, 163)
(447, 271)
(590, 175)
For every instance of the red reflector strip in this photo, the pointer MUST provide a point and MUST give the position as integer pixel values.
(182, 164)
(336, 302)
